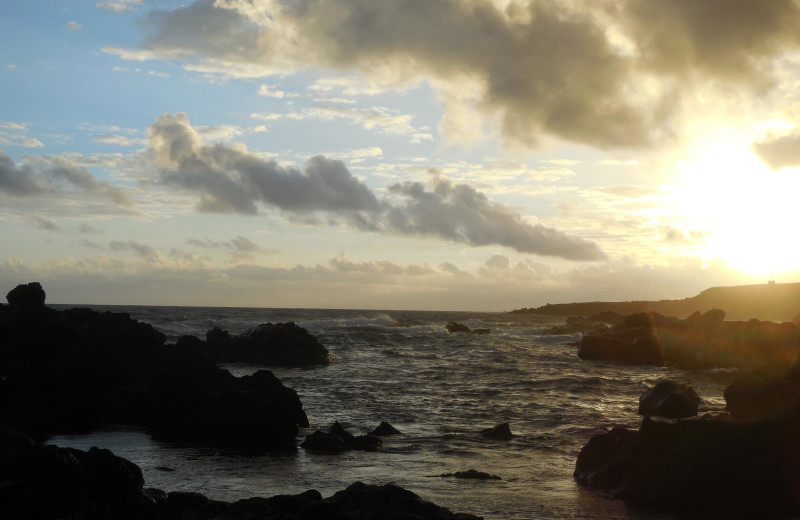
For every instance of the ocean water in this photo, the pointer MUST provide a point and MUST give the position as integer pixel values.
(440, 390)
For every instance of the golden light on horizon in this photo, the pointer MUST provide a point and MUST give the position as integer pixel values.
(748, 211)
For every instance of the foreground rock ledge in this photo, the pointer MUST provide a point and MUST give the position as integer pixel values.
(45, 482)
(741, 464)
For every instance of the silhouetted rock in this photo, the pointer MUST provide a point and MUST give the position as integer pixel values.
(471, 474)
(41, 482)
(279, 344)
(78, 369)
(596, 322)
(741, 465)
(27, 299)
(385, 429)
(669, 399)
(501, 432)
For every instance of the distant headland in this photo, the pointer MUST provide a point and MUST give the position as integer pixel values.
(771, 301)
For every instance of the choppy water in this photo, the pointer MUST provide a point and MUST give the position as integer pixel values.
(440, 390)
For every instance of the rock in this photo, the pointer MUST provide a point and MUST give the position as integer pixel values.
(472, 474)
(281, 344)
(698, 342)
(669, 399)
(324, 442)
(385, 429)
(78, 369)
(27, 299)
(454, 327)
(339, 440)
(604, 461)
(501, 432)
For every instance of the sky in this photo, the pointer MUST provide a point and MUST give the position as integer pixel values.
(398, 154)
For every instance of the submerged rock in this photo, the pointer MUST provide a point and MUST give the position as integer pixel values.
(338, 440)
(471, 474)
(501, 432)
(669, 399)
(454, 327)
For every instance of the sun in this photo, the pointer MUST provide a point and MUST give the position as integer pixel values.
(748, 212)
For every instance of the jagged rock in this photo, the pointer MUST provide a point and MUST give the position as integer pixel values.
(385, 429)
(501, 432)
(472, 474)
(604, 461)
(669, 399)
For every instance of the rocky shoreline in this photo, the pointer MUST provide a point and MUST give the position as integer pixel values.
(78, 370)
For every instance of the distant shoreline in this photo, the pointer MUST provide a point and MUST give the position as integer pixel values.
(772, 302)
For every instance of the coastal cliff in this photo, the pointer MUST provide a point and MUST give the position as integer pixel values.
(772, 302)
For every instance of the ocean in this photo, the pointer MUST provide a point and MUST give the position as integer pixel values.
(440, 390)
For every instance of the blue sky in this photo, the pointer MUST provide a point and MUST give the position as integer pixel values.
(449, 154)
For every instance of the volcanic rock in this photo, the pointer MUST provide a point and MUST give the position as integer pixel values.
(669, 399)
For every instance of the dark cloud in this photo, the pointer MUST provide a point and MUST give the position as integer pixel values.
(229, 179)
(580, 70)
(45, 224)
(731, 40)
(460, 213)
(54, 176)
(232, 180)
(142, 249)
(779, 151)
(15, 181)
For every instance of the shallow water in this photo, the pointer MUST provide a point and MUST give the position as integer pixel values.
(440, 390)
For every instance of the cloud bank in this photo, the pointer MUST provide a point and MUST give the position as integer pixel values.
(229, 179)
(606, 73)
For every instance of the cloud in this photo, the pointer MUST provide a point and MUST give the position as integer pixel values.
(117, 6)
(119, 140)
(43, 223)
(608, 73)
(73, 26)
(232, 180)
(88, 229)
(55, 176)
(140, 248)
(17, 181)
(229, 179)
(460, 213)
(779, 152)
(731, 41)
(381, 119)
(239, 247)
(272, 92)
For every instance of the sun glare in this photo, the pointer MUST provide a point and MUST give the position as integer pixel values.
(748, 211)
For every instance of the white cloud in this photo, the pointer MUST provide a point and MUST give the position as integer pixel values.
(73, 26)
(117, 6)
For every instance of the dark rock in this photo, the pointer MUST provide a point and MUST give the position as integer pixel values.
(324, 442)
(472, 474)
(501, 432)
(27, 299)
(385, 429)
(481, 332)
(280, 344)
(698, 342)
(78, 369)
(339, 440)
(454, 326)
(604, 461)
(669, 399)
